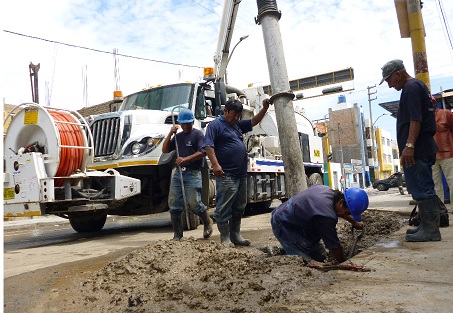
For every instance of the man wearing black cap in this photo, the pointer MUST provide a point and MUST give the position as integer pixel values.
(415, 128)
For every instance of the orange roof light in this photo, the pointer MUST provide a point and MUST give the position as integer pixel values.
(208, 73)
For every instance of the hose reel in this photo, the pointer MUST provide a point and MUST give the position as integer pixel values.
(61, 135)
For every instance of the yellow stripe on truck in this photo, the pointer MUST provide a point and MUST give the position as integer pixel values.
(122, 164)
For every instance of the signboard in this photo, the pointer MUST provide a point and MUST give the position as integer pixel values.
(317, 80)
(356, 162)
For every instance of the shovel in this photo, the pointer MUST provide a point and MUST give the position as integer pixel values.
(356, 237)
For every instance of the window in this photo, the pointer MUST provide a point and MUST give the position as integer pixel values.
(164, 98)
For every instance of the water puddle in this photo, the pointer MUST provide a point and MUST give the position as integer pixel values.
(388, 244)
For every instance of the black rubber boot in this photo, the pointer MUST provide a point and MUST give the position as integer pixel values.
(235, 232)
(416, 229)
(429, 225)
(413, 230)
(225, 234)
(176, 222)
(207, 224)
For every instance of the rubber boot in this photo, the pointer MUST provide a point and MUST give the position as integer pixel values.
(416, 229)
(235, 232)
(176, 222)
(225, 234)
(207, 224)
(429, 225)
(413, 230)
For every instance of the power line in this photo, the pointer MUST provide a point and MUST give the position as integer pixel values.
(101, 51)
(445, 24)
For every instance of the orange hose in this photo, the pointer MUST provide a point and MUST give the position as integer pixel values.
(70, 135)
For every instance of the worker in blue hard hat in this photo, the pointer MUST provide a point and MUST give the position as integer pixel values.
(190, 161)
(310, 216)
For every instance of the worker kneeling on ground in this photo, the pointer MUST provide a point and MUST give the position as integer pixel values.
(311, 215)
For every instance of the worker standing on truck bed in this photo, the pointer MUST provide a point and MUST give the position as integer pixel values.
(190, 162)
(311, 215)
(225, 148)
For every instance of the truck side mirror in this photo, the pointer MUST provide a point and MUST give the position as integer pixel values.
(220, 96)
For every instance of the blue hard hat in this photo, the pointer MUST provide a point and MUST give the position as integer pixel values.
(185, 116)
(357, 202)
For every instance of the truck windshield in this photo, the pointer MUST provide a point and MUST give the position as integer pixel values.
(164, 98)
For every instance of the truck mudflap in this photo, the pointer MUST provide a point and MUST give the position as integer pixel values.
(28, 191)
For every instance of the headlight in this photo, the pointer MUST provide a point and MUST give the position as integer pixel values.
(150, 142)
(135, 148)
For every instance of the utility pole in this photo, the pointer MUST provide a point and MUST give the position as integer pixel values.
(373, 142)
(341, 152)
(34, 69)
(268, 17)
(410, 20)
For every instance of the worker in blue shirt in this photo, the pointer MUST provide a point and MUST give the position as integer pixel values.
(310, 216)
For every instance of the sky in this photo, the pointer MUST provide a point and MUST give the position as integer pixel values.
(173, 40)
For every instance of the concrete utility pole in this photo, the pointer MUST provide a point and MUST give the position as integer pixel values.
(268, 17)
(373, 140)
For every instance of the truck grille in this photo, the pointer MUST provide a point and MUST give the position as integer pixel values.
(105, 136)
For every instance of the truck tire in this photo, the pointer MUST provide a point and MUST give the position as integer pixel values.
(88, 222)
(258, 207)
(191, 222)
(315, 179)
(308, 180)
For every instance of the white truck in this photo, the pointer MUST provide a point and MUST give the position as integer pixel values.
(130, 141)
(57, 162)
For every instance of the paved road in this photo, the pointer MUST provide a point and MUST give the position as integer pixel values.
(406, 277)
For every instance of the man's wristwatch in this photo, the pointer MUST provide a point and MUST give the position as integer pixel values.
(409, 145)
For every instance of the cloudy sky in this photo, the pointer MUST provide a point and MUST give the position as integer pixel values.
(172, 40)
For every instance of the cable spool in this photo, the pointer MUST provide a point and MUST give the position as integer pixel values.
(60, 134)
(70, 135)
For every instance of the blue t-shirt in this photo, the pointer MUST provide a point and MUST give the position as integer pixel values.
(415, 105)
(188, 144)
(228, 144)
(311, 215)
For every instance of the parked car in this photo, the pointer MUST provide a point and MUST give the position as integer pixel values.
(390, 182)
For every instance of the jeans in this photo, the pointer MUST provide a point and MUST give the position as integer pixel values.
(303, 247)
(419, 178)
(192, 187)
(445, 166)
(231, 197)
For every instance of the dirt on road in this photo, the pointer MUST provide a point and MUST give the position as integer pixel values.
(203, 276)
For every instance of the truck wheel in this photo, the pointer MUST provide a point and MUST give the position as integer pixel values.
(88, 222)
(258, 207)
(191, 222)
(315, 179)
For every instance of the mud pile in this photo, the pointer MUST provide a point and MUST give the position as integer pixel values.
(203, 276)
